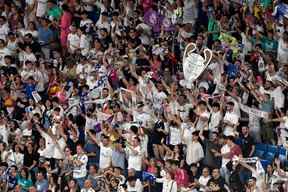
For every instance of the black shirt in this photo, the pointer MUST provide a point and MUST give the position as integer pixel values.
(217, 182)
(246, 144)
(29, 158)
(140, 62)
(210, 159)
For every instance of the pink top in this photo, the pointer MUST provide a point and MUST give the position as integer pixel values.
(181, 177)
(66, 21)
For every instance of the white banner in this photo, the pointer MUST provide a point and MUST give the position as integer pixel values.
(255, 112)
(193, 63)
(36, 96)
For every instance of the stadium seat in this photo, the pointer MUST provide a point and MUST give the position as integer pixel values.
(261, 147)
(272, 149)
(282, 154)
(259, 153)
(269, 156)
(264, 163)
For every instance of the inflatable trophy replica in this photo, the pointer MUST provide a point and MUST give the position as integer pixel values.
(194, 64)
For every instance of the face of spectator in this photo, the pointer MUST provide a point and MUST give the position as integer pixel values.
(105, 141)
(92, 170)
(135, 142)
(23, 174)
(79, 149)
(50, 5)
(131, 172)
(251, 183)
(40, 176)
(72, 184)
(13, 171)
(67, 152)
(132, 183)
(44, 22)
(229, 108)
(245, 130)
(199, 41)
(205, 172)
(87, 184)
(269, 169)
(2, 44)
(132, 34)
(215, 173)
(32, 189)
(18, 188)
(105, 93)
(2, 21)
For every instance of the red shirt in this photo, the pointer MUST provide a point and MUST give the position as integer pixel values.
(235, 151)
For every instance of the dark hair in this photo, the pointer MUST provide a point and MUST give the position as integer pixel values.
(230, 137)
(26, 172)
(134, 129)
(65, 7)
(8, 57)
(131, 178)
(2, 41)
(29, 35)
(216, 104)
(57, 109)
(93, 165)
(202, 103)
(4, 18)
(230, 103)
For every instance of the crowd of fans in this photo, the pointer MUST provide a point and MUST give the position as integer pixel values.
(92, 96)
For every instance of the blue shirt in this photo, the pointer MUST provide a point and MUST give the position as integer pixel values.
(118, 159)
(44, 35)
(29, 88)
(42, 186)
(232, 70)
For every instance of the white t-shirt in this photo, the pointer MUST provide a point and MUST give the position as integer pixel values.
(4, 133)
(137, 188)
(4, 29)
(158, 98)
(203, 181)
(135, 160)
(224, 150)
(74, 41)
(232, 118)
(33, 33)
(12, 46)
(215, 119)
(49, 145)
(194, 152)
(282, 51)
(105, 25)
(184, 110)
(80, 171)
(141, 117)
(174, 136)
(203, 124)
(3, 52)
(15, 159)
(168, 185)
(186, 133)
(105, 156)
(84, 45)
(24, 56)
(278, 97)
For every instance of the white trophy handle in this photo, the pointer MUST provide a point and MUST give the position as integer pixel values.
(207, 56)
(189, 49)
